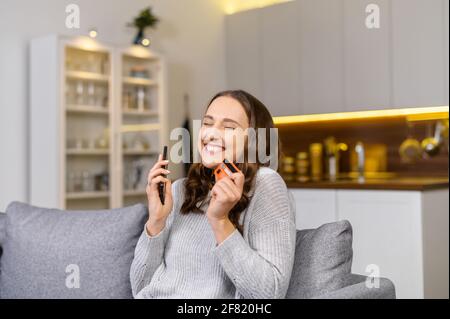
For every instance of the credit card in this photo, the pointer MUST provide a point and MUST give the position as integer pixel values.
(225, 168)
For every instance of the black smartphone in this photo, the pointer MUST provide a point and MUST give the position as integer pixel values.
(162, 185)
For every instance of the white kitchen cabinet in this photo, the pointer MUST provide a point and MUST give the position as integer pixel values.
(420, 62)
(319, 56)
(403, 233)
(314, 207)
(243, 51)
(386, 233)
(320, 36)
(280, 59)
(367, 68)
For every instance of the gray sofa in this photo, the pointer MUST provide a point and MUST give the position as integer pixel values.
(48, 253)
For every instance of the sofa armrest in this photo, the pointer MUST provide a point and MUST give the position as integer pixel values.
(357, 289)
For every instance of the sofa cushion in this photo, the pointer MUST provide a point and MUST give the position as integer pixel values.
(323, 260)
(49, 253)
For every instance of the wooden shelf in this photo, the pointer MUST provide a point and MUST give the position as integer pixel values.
(134, 193)
(86, 109)
(87, 152)
(81, 75)
(130, 128)
(87, 195)
(128, 112)
(139, 81)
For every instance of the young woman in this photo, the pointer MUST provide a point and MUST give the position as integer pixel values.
(234, 238)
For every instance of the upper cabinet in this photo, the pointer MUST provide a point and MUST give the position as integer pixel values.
(260, 60)
(319, 56)
(279, 59)
(367, 80)
(243, 51)
(420, 62)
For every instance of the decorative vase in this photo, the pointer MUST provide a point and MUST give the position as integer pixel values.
(139, 37)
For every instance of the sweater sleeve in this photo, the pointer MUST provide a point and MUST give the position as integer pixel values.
(149, 253)
(148, 256)
(261, 267)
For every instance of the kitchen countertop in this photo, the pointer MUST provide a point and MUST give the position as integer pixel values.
(391, 183)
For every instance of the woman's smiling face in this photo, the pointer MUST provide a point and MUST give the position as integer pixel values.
(224, 123)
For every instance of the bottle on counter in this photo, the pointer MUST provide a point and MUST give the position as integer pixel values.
(332, 154)
(316, 154)
(288, 168)
(302, 166)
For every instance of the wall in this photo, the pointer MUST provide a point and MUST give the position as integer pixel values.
(190, 35)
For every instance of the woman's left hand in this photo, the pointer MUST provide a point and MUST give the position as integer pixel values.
(224, 195)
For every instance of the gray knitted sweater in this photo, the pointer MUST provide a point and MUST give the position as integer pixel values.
(184, 260)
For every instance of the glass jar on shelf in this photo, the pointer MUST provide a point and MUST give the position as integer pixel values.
(316, 158)
(69, 62)
(125, 100)
(129, 102)
(302, 166)
(140, 97)
(101, 181)
(105, 65)
(91, 144)
(91, 94)
(137, 173)
(80, 94)
(102, 142)
(92, 64)
(140, 143)
(139, 71)
(99, 95)
(70, 93)
(87, 182)
(288, 168)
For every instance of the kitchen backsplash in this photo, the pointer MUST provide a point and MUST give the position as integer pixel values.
(382, 139)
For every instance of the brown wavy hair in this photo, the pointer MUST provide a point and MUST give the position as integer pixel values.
(200, 179)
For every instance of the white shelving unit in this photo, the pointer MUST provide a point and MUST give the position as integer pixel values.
(141, 117)
(88, 100)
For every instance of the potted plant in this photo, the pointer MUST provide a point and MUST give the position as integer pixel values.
(145, 19)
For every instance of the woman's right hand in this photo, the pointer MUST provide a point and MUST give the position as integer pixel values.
(157, 211)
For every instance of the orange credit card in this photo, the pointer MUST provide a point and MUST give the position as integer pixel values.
(225, 168)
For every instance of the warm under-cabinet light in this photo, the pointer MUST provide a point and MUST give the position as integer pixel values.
(87, 43)
(412, 114)
(130, 128)
(233, 6)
